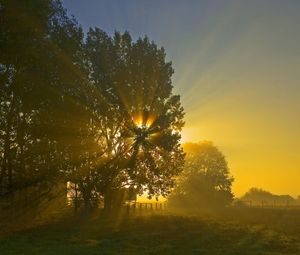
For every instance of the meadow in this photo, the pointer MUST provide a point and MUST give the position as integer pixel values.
(234, 231)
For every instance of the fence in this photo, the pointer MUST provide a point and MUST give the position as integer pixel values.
(128, 205)
(146, 206)
(272, 204)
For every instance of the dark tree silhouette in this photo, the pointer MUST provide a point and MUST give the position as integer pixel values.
(97, 112)
(141, 119)
(41, 94)
(205, 181)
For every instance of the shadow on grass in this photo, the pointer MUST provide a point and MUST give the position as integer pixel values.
(156, 234)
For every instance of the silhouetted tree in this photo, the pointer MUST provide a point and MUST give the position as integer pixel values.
(41, 93)
(98, 112)
(142, 119)
(205, 181)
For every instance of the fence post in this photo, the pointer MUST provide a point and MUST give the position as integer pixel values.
(128, 208)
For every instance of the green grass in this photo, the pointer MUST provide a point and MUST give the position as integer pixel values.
(157, 234)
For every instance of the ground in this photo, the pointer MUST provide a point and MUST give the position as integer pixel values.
(158, 234)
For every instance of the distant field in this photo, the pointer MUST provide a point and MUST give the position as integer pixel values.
(241, 233)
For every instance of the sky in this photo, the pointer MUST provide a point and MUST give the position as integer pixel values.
(237, 69)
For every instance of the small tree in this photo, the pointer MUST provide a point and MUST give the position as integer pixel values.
(205, 181)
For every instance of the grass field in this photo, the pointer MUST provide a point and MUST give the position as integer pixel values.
(161, 234)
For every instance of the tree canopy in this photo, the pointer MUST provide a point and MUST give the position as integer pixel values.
(206, 180)
(96, 110)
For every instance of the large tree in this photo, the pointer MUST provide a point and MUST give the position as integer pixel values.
(41, 93)
(206, 180)
(142, 119)
(98, 112)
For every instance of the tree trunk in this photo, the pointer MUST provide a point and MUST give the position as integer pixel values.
(107, 201)
(76, 199)
(10, 176)
(1, 180)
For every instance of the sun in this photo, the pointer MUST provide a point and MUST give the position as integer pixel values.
(142, 121)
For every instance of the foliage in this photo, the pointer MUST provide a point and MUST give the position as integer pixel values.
(39, 46)
(205, 181)
(142, 118)
(98, 112)
(257, 196)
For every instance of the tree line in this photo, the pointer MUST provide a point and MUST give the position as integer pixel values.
(261, 197)
(94, 109)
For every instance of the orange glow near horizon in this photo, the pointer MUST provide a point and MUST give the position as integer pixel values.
(243, 94)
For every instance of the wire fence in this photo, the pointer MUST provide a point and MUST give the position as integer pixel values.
(272, 204)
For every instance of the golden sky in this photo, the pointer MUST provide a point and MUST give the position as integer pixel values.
(237, 68)
(248, 101)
